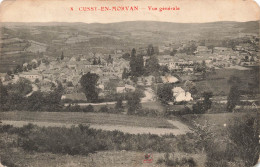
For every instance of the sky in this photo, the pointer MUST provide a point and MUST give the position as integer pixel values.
(191, 11)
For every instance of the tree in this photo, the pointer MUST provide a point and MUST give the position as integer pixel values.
(150, 50)
(62, 56)
(133, 64)
(119, 104)
(3, 94)
(207, 102)
(139, 65)
(125, 74)
(110, 60)
(133, 52)
(164, 93)
(18, 69)
(104, 109)
(99, 61)
(88, 82)
(133, 103)
(202, 106)
(164, 69)
(246, 59)
(233, 98)
(52, 99)
(29, 67)
(152, 65)
(173, 52)
(244, 137)
(89, 108)
(126, 56)
(95, 61)
(22, 87)
(9, 72)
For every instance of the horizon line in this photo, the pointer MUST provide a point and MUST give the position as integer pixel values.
(138, 21)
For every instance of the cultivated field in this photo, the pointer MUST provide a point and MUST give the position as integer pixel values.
(218, 83)
(86, 118)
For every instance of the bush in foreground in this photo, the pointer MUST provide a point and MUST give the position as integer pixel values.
(82, 140)
(171, 161)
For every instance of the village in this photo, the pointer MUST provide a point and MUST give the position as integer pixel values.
(179, 68)
(78, 94)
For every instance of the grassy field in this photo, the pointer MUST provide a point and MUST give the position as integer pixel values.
(216, 122)
(86, 118)
(218, 83)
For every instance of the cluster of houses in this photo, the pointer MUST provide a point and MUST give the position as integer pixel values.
(109, 68)
(218, 57)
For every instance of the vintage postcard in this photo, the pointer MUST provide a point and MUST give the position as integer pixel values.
(129, 83)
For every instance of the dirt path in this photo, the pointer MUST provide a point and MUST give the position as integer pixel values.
(180, 127)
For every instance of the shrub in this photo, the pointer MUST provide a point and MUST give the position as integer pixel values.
(104, 109)
(89, 108)
(83, 140)
(171, 161)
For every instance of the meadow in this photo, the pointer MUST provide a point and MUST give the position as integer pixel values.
(86, 118)
(218, 82)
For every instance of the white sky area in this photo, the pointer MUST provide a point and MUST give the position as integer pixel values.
(191, 11)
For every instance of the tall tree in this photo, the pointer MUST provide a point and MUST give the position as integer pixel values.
(133, 103)
(95, 61)
(124, 74)
(62, 56)
(233, 98)
(3, 94)
(110, 60)
(119, 104)
(152, 65)
(150, 50)
(99, 61)
(133, 64)
(207, 102)
(139, 65)
(88, 82)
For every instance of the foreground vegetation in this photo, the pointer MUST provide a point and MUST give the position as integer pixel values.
(235, 143)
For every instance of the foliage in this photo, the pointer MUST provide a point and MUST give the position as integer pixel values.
(22, 87)
(136, 64)
(37, 101)
(164, 93)
(152, 65)
(126, 56)
(119, 104)
(233, 98)
(164, 70)
(150, 50)
(133, 103)
(62, 56)
(189, 50)
(89, 108)
(202, 106)
(125, 74)
(172, 161)
(88, 82)
(173, 52)
(3, 93)
(244, 139)
(82, 140)
(104, 109)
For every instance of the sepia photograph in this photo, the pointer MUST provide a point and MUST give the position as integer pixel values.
(129, 83)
